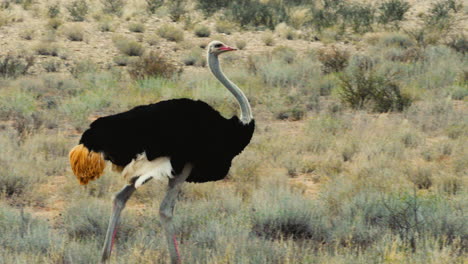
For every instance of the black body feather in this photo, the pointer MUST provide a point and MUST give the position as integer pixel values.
(182, 129)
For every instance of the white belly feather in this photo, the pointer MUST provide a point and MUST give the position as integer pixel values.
(159, 169)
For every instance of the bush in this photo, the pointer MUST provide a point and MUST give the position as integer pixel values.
(47, 49)
(268, 39)
(195, 57)
(240, 44)
(223, 26)
(136, 27)
(209, 7)
(177, 9)
(171, 33)
(440, 16)
(360, 16)
(393, 11)
(152, 5)
(127, 46)
(202, 31)
(153, 65)
(12, 66)
(459, 43)
(53, 10)
(114, 7)
(51, 65)
(74, 33)
(333, 59)
(362, 86)
(54, 23)
(257, 13)
(78, 10)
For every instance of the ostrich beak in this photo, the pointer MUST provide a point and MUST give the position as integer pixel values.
(227, 48)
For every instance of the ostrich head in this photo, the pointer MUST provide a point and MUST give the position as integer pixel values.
(217, 47)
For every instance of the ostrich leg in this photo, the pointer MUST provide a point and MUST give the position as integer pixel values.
(166, 211)
(119, 201)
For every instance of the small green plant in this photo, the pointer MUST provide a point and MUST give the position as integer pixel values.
(202, 31)
(153, 65)
(74, 33)
(114, 7)
(225, 27)
(53, 10)
(209, 7)
(333, 58)
(136, 27)
(127, 46)
(268, 39)
(171, 33)
(153, 5)
(54, 23)
(47, 49)
(51, 65)
(393, 11)
(12, 66)
(177, 9)
(78, 10)
(241, 44)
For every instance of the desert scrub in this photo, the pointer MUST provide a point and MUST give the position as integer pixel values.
(333, 58)
(114, 7)
(268, 39)
(171, 33)
(74, 32)
(53, 10)
(285, 31)
(241, 44)
(393, 11)
(202, 31)
(54, 23)
(153, 5)
(194, 57)
(225, 27)
(47, 49)
(151, 65)
(177, 8)
(127, 46)
(136, 27)
(27, 34)
(78, 9)
(12, 66)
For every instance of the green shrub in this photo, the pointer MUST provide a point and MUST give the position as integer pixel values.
(127, 46)
(202, 31)
(136, 27)
(440, 16)
(53, 10)
(393, 11)
(268, 39)
(12, 66)
(47, 49)
(106, 26)
(360, 16)
(51, 65)
(74, 33)
(54, 23)
(152, 5)
(333, 58)
(209, 7)
(27, 34)
(240, 44)
(361, 87)
(171, 33)
(78, 10)
(257, 13)
(459, 43)
(177, 9)
(223, 26)
(153, 65)
(114, 7)
(194, 57)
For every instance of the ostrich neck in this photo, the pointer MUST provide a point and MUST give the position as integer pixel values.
(246, 112)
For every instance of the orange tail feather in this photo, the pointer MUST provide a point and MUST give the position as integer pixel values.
(86, 165)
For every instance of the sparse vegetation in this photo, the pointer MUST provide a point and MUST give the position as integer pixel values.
(74, 33)
(171, 33)
(127, 46)
(359, 153)
(78, 9)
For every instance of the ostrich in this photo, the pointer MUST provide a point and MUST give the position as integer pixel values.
(179, 139)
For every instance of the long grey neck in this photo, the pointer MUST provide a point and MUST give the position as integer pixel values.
(246, 111)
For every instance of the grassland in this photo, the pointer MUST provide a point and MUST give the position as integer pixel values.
(361, 150)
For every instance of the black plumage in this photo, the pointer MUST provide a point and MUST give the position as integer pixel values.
(185, 130)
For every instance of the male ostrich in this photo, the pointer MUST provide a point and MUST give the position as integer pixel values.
(179, 139)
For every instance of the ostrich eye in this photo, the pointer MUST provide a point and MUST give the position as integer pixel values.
(218, 45)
